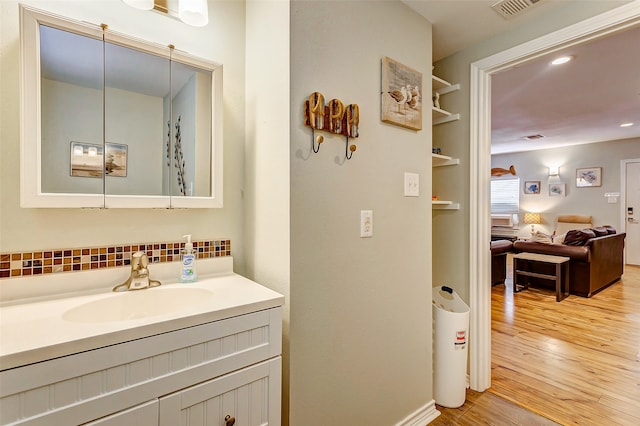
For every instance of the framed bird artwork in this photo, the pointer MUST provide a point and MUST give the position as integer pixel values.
(401, 97)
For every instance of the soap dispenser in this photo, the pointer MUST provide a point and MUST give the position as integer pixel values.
(188, 262)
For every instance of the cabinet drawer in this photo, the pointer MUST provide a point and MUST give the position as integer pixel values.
(85, 386)
(141, 415)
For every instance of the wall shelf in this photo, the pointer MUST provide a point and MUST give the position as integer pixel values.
(448, 89)
(445, 205)
(439, 160)
(442, 87)
(438, 84)
(437, 113)
(445, 119)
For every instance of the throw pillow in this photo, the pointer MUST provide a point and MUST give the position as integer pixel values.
(600, 231)
(540, 237)
(559, 239)
(578, 237)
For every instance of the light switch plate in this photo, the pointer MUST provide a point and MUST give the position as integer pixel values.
(411, 184)
(366, 223)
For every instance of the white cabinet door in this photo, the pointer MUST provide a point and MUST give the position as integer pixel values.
(142, 415)
(251, 396)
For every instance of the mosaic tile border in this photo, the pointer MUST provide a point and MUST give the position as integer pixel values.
(21, 264)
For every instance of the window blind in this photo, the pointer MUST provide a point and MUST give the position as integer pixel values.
(505, 196)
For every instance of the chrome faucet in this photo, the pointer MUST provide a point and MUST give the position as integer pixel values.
(139, 278)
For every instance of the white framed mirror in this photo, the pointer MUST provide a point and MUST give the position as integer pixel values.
(110, 121)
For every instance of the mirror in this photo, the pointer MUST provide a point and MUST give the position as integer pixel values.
(137, 86)
(71, 112)
(110, 121)
(190, 149)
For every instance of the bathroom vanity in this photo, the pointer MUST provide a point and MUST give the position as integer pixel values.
(192, 354)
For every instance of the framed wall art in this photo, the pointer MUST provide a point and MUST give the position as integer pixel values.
(590, 176)
(557, 190)
(401, 97)
(532, 187)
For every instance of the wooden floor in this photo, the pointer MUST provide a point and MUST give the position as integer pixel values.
(575, 362)
(485, 408)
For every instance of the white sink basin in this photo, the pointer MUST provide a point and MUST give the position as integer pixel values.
(137, 304)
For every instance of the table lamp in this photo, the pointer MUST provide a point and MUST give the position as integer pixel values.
(532, 219)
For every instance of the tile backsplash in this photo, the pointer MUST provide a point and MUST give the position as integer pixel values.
(52, 261)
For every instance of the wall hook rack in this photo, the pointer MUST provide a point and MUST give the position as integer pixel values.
(334, 118)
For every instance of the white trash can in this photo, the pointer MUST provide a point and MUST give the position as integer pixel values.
(450, 347)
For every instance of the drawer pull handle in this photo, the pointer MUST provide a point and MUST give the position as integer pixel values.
(230, 421)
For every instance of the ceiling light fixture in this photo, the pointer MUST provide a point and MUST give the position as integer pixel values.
(626, 125)
(191, 12)
(561, 60)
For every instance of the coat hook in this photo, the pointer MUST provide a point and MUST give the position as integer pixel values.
(349, 149)
(316, 139)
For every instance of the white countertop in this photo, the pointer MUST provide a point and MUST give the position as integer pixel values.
(36, 331)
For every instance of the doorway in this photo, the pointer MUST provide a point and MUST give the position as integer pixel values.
(618, 19)
(630, 214)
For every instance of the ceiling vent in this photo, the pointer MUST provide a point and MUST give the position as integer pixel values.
(510, 8)
(532, 137)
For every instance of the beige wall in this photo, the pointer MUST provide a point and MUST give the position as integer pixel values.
(266, 191)
(451, 228)
(360, 307)
(534, 165)
(221, 41)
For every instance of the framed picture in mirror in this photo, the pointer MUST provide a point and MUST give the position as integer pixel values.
(86, 160)
(115, 162)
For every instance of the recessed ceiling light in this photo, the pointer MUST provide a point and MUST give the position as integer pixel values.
(561, 60)
(626, 125)
(532, 137)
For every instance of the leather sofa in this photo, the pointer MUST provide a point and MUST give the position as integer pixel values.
(499, 250)
(592, 266)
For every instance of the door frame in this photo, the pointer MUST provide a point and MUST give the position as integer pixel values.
(623, 196)
(617, 19)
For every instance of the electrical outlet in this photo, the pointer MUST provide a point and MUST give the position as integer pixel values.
(411, 184)
(366, 223)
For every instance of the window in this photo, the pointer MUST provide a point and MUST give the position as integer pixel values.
(505, 196)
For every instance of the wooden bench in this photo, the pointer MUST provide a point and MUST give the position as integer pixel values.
(529, 265)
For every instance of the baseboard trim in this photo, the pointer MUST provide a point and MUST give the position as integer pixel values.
(422, 416)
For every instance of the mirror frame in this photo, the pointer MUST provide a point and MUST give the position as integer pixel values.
(31, 195)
